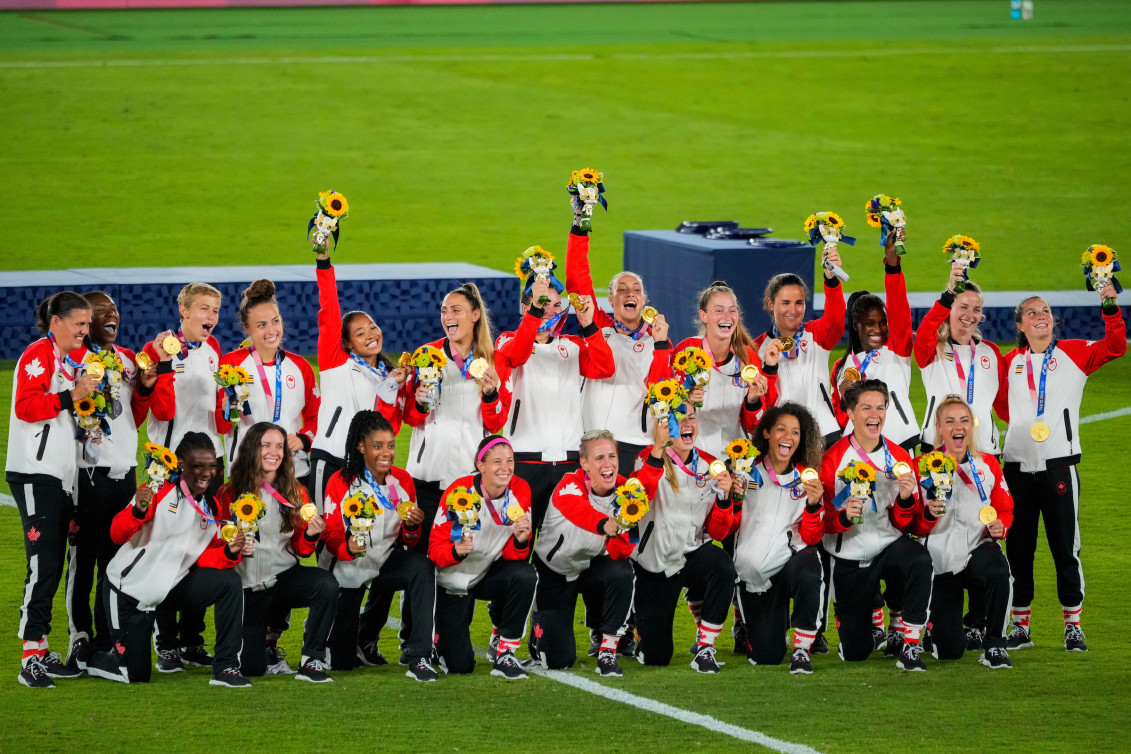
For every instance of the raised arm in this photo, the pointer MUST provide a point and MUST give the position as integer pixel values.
(330, 351)
(828, 330)
(901, 336)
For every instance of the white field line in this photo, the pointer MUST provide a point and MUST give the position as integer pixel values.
(9, 500)
(552, 57)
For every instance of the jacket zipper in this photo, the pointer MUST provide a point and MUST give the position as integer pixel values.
(554, 551)
(828, 402)
(514, 419)
(644, 418)
(130, 567)
(333, 421)
(899, 408)
(43, 441)
(927, 418)
(421, 453)
(1068, 425)
(644, 539)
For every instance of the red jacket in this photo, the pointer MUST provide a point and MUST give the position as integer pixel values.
(335, 536)
(440, 547)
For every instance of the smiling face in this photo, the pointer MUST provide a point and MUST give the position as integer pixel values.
(458, 318)
(688, 433)
(272, 446)
(550, 310)
(600, 463)
(364, 337)
(721, 317)
(198, 467)
(954, 426)
(265, 326)
(379, 449)
(784, 438)
(788, 309)
(965, 315)
(627, 299)
(104, 321)
(868, 418)
(1036, 320)
(497, 468)
(69, 331)
(199, 318)
(872, 328)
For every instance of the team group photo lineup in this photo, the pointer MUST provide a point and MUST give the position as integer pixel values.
(763, 478)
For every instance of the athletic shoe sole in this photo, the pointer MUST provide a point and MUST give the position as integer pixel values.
(694, 667)
(1026, 645)
(24, 682)
(991, 666)
(308, 679)
(100, 673)
(71, 676)
(420, 680)
(1074, 649)
(910, 670)
(215, 682)
(173, 670)
(610, 674)
(501, 674)
(801, 671)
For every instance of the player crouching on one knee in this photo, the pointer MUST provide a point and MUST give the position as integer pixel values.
(582, 550)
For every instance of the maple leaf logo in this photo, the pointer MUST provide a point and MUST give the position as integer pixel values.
(118, 646)
(33, 368)
(331, 506)
(33, 534)
(538, 630)
(570, 489)
(503, 340)
(510, 384)
(74, 527)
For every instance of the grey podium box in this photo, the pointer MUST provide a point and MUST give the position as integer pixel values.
(677, 266)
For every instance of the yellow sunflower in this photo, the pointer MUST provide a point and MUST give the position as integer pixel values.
(589, 175)
(225, 371)
(679, 363)
(632, 511)
(833, 219)
(936, 462)
(873, 219)
(665, 390)
(700, 357)
(738, 448)
(168, 458)
(352, 506)
(461, 500)
(1087, 257)
(152, 449)
(84, 406)
(335, 204)
(810, 223)
(518, 268)
(865, 473)
(1101, 255)
(969, 243)
(896, 201)
(246, 508)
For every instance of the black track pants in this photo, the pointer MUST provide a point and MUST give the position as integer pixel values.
(766, 614)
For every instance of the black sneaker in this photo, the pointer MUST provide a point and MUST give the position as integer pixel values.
(1073, 638)
(493, 648)
(973, 638)
(996, 658)
(421, 670)
(34, 675)
(106, 665)
(607, 664)
(820, 646)
(404, 660)
(626, 647)
(878, 638)
(893, 643)
(738, 632)
(704, 661)
(1018, 638)
(506, 665)
(910, 657)
(277, 661)
(800, 663)
(594, 642)
(312, 671)
(371, 656)
(53, 663)
(196, 657)
(230, 677)
(169, 661)
(80, 653)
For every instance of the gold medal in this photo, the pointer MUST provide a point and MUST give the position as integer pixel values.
(307, 512)
(95, 369)
(852, 373)
(575, 300)
(786, 343)
(143, 361)
(633, 482)
(171, 345)
(717, 468)
(477, 368)
(901, 468)
(809, 475)
(1040, 432)
(228, 532)
(977, 422)
(515, 512)
(749, 373)
(649, 314)
(404, 509)
(405, 360)
(987, 515)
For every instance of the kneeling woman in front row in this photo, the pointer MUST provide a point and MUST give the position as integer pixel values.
(383, 558)
(484, 560)
(273, 576)
(778, 527)
(964, 544)
(171, 554)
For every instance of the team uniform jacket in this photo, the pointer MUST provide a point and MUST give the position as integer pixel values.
(573, 532)
(891, 363)
(444, 439)
(184, 399)
(41, 430)
(389, 530)
(773, 523)
(804, 379)
(347, 387)
(118, 451)
(678, 522)
(725, 414)
(160, 544)
(275, 551)
(618, 403)
(492, 541)
(959, 530)
(298, 412)
(940, 375)
(881, 527)
(545, 418)
(1072, 361)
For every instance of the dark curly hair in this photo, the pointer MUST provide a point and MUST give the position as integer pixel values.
(859, 303)
(364, 424)
(247, 475)
(190, 443)
(812, 444)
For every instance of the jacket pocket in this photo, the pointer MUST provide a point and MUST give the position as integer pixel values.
(644, 418)
(421, 453)
(899, 408)
(829, 403)
(333, 421)
(645, 538)
(43, 441)
(839, 539)
(554, 551)
(514, 419)
(130, 567)
(1068, 425)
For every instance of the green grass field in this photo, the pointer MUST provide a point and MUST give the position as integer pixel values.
(201, 137)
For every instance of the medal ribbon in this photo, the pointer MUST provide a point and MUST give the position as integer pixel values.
(736, 376)
(275, 494)
(973, 475)
(796, 350)
(388, 503)
(962, 377)
(863, 367)
(64, 360)
(279, 356)
(491, 506)
(186, 345)
(790, 485)
(550, 324)
(379, 371)
(638, 333)
(694, 462)
(204, 513)
(1038, 396)
(889, 462)
(461, 364)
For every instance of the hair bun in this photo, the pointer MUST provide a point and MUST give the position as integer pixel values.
(262, 288)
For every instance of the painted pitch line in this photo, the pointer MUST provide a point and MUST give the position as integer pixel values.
(551, 57)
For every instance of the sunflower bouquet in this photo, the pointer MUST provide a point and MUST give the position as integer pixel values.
(109, 365)
(428, 361)
(235, 381)
(1100, 265)
(695, 365)
(160, 465)
(463, 511)
(537, 264)
(629, 506)
(936, 472)
(828, 227)
(587, 189)
(667, 399)
(247, 510)
(967, 252)
(332, 207)
(92, 415)
(885, 213)
(361, 510)
(860, 481)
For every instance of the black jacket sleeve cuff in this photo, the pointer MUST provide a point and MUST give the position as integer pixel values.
(845, 521)
(723, 504)
(164, 367)
(904, 503)
(491, 397)
(1111, 309)
(421, 408)
(590, 329)
(308, 538)
(229, 554)
(305, 440)
(811, 509)
(536, 310)
(66, 402)
(947, 299)
(929, 516)
(770, 368)
(601, 526)
(520, 545)
(576, 231)
(138, 513)
(324, 264)
(459, 558)
(142, 391)
(656, 463)
(753, 405)
(831, 281)
(893, 269)
(662, 345)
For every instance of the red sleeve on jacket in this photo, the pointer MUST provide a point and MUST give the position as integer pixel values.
(33, 402)
(494, 413)
(910, 518)
(163, 400)
(312, 400)
(579, 278)
(720, 522)
(1001, 400)
(829, 465)
(330, 351)
(413, 416)
(125, 524)
(409, 535)
(440, 540)
(812, 524)
(216, 556)
(515, 348)
(520, 490)
(747, 418)
(1091, 356)
(618, 547)
(650, 473)
(302, 546)
(827, 330)
(900, 334)
(1000, 497)
(572, 499)
(596, 358)
(334, 535)
(927, 336)
(661, 367)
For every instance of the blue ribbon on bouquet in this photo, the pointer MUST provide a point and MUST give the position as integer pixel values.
(1114, 268)
(458, 528)
(815, 237)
